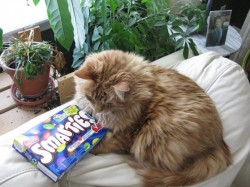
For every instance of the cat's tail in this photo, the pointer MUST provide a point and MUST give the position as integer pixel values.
(204, 167)
(157, 177)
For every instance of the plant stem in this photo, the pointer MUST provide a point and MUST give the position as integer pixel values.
(150, 16)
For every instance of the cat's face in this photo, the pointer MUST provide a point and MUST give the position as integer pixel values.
(102, 82)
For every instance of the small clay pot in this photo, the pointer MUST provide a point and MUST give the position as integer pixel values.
(29, 88)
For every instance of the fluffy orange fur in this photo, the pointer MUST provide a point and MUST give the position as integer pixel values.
(163, 119)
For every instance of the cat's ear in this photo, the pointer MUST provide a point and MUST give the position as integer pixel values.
(85, 73)
(121, 88)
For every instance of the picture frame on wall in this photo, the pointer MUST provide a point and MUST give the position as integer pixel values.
(218, 23)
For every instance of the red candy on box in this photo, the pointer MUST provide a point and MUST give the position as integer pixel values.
(55, 145)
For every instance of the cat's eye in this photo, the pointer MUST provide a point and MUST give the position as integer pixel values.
(109, 105)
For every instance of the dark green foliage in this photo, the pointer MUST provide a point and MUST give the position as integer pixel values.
(146, 27)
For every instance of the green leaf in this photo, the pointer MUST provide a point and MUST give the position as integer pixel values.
(131, 22)
(168, 1)
(36, 2)
(177, 22)
(19, 82)
(177, 29)
(159, 23)
(60, 21)
(24, 73)
(100, 30)
(106, 45)
(1, 38)
(185, 51)
(78, 55)
(96, 46)
(30, 68)
(120, 8)
(201, 23)
(246, 60)
(172, 36)
(141, 29)
(117, 26)
(97, 4)
(113, 5)
(86, 12)
(134, 13)
(179, 43)
(193, 47)
(105, 38)
(190, 30)
(77, 20)
(96, 34)
(107, 30)
(104, 11)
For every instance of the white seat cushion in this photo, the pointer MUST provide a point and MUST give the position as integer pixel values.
(221, 78)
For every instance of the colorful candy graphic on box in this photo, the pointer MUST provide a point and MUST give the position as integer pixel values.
(55, 145)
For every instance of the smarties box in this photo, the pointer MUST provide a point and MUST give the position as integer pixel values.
(55, 145)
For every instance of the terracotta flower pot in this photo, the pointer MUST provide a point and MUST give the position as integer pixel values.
(29, 88)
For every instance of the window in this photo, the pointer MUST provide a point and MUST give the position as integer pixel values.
(16, 15)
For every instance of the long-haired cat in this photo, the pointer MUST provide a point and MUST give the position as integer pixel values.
(163, 119)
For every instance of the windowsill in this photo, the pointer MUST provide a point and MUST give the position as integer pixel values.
(16, 15)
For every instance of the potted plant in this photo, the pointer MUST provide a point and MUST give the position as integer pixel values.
(28, 63)
(147, 27)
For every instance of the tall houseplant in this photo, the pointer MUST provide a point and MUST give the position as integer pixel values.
(147, 27)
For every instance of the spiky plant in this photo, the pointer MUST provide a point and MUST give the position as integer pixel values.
(28, 56)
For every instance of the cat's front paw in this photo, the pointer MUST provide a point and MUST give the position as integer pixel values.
(89, 111)
(95, 151)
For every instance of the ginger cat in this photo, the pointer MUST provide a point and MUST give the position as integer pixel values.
(166, 123)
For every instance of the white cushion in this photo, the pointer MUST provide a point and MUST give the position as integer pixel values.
(221, 78)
